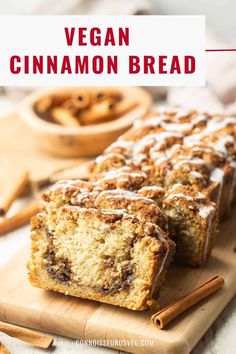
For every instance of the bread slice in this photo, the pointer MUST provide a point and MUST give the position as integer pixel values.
(193, 224)
(113, 251)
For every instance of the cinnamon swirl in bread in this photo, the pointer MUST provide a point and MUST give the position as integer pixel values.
(104, 245)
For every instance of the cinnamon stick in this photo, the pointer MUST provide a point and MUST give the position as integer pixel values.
(81, 99)
(64, 117)
(19, 219)
(3, 349)
(106, 110)
(37, 339)
(17, 189)
(163, 317)
(44, 104)
(102, 95)
(97, 113)
(124, 106)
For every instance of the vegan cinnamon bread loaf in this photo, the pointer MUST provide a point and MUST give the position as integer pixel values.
(173, 174)
(177, 147)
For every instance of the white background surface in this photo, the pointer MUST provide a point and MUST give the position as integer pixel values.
(220, 14)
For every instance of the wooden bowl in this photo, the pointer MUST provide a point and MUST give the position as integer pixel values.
(81, 141)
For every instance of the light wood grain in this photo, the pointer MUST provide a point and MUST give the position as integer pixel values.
(75, 172)
(19, 151)
(24, 305)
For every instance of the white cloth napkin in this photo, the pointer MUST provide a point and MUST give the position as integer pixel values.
(93, 7)
(219, 95)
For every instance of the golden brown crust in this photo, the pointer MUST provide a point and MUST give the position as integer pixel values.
(176, 146)
(174, 160)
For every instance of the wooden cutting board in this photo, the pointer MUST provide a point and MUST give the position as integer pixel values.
(18, 151)
(83, 319)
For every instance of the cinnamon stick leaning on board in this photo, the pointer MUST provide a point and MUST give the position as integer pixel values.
(163, 317)
(3, 349)
(37, 339)
(17, 189)
(19, 219)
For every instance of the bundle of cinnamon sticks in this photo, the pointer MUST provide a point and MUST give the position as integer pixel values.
(85, 107)
(10, 223)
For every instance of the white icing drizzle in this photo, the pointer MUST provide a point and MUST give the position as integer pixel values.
(153, 121)
(177, 127)
(111, 155)
(208, 213)
(137, 159)
(204, 149)
(220, 144)
(79, 197)
(198, 119)
(217, 175)
(160, 160)
(122, 173)
(125, 144)
(191, 140)
(180, 161)
(196, 174)
(152, 188)
(68, 183)
(116, 211)
(180, 113)
(137, 123)
(156, 139)
(173, 149)
(144, 142)
(214, 125)
(77, 186)
(201, 195)
(180, 195)
(205, 210)
(121, 193)
(176, 113)
(176, 185)
(232, 188)
(162, 121)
